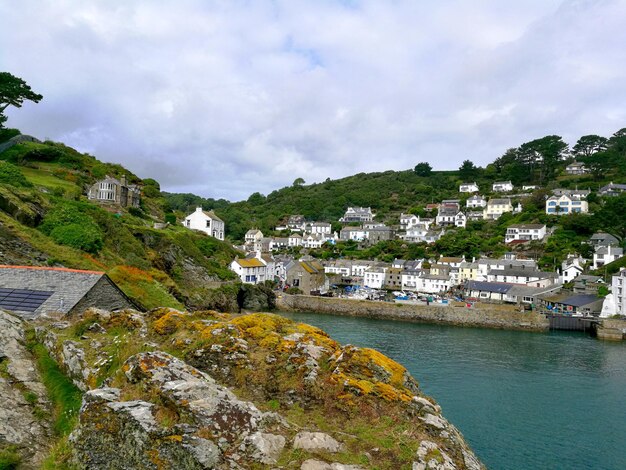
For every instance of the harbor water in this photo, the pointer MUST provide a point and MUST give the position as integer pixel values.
(522, 400)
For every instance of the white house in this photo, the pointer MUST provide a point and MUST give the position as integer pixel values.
(358, 214)
(468, 188)
(460, 220)
(353, 233)
(249, 270)
(576, 168)
(205, 221)
(313, 240)
(571, 268)
(323, 228)
(564, 205)
(374, 277)
(476, 201)
(294, 239)
(410, 220)
(618, 289)
(529, 187)
(502, 186)
(496, 207)
(447, 213)
(612, 189)
(253, 240)
(525, 232)
(433, 284)
(606, 254)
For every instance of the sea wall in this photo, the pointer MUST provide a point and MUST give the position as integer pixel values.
(612, 329)
(484, 316)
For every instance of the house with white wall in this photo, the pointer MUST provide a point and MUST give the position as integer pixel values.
(476, 202)
(606, 254)
(249, 270)
(468, 188)
(564, 205)
(358, 214)
(525, 232)
(295, 239)
(205, 221)
(502, 186)
(571, 268)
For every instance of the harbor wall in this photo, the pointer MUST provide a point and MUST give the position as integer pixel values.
(482, 316)
(612, 329)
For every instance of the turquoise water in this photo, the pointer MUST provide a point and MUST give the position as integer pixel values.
(522, 400)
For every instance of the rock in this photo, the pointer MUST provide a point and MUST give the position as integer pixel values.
(316, 442)
(430, 457)
(21, 395)
(73, 359)
(435, 421)
(264, 447)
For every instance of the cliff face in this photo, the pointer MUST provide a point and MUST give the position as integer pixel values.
(170, 389)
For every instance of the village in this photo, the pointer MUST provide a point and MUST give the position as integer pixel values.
(511, 279)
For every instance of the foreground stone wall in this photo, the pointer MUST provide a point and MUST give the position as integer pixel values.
(485, 315)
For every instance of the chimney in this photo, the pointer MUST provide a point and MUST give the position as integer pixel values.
(123, 180)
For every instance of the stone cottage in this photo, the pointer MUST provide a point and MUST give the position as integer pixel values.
(113, 191)
(31, 291)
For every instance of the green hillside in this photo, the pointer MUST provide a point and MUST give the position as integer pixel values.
(46, 219)
(540, 162)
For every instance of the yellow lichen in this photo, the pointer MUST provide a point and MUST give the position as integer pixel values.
(168, 323)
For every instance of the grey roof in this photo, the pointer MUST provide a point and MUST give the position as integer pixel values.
(578, 300)
(67, 287)
(493, 201)
(615, 250)
(528, 226)
(496, 287)
(519, 272)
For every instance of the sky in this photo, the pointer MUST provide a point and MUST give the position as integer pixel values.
(226, 98)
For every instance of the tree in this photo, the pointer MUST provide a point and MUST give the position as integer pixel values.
(546, 153)
(13, 92)
(423, 169)
(468, 170)
(298, 182)
(589, 145)
(611, 218)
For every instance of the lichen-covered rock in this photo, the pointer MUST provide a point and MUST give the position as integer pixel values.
(73, 359)
(180, 410)
(125, 435)
(431, 457)
(22, 395)
(316, 442)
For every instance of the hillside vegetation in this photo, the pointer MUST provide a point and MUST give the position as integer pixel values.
(46, 219)
(540, 163)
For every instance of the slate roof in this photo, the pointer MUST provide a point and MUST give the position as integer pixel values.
(496, 287)
(578, 300)
(66, 288)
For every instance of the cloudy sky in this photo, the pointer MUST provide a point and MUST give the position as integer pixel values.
(226, 98)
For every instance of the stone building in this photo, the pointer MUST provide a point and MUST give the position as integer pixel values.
(113, 191)
(308, 276)
(31, 291)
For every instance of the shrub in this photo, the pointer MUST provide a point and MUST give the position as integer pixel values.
(83, 237)
(10, 174)
(170, 218)
(6, 134)
(294, 291)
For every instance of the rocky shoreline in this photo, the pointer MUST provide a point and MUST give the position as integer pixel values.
(173, 389)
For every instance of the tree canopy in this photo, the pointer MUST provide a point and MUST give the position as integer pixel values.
(423, 169)
(13, 92)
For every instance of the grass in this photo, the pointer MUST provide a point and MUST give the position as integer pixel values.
(45, 178)
(63, 394)
(9, 458)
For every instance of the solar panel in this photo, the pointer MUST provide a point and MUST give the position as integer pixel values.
(22, 300)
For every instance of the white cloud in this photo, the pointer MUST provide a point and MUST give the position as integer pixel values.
(226, 98)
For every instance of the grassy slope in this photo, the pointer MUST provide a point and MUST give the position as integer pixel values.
(146, 263)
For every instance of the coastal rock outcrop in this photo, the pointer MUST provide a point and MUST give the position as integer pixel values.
(242, 391)
(24, 431)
